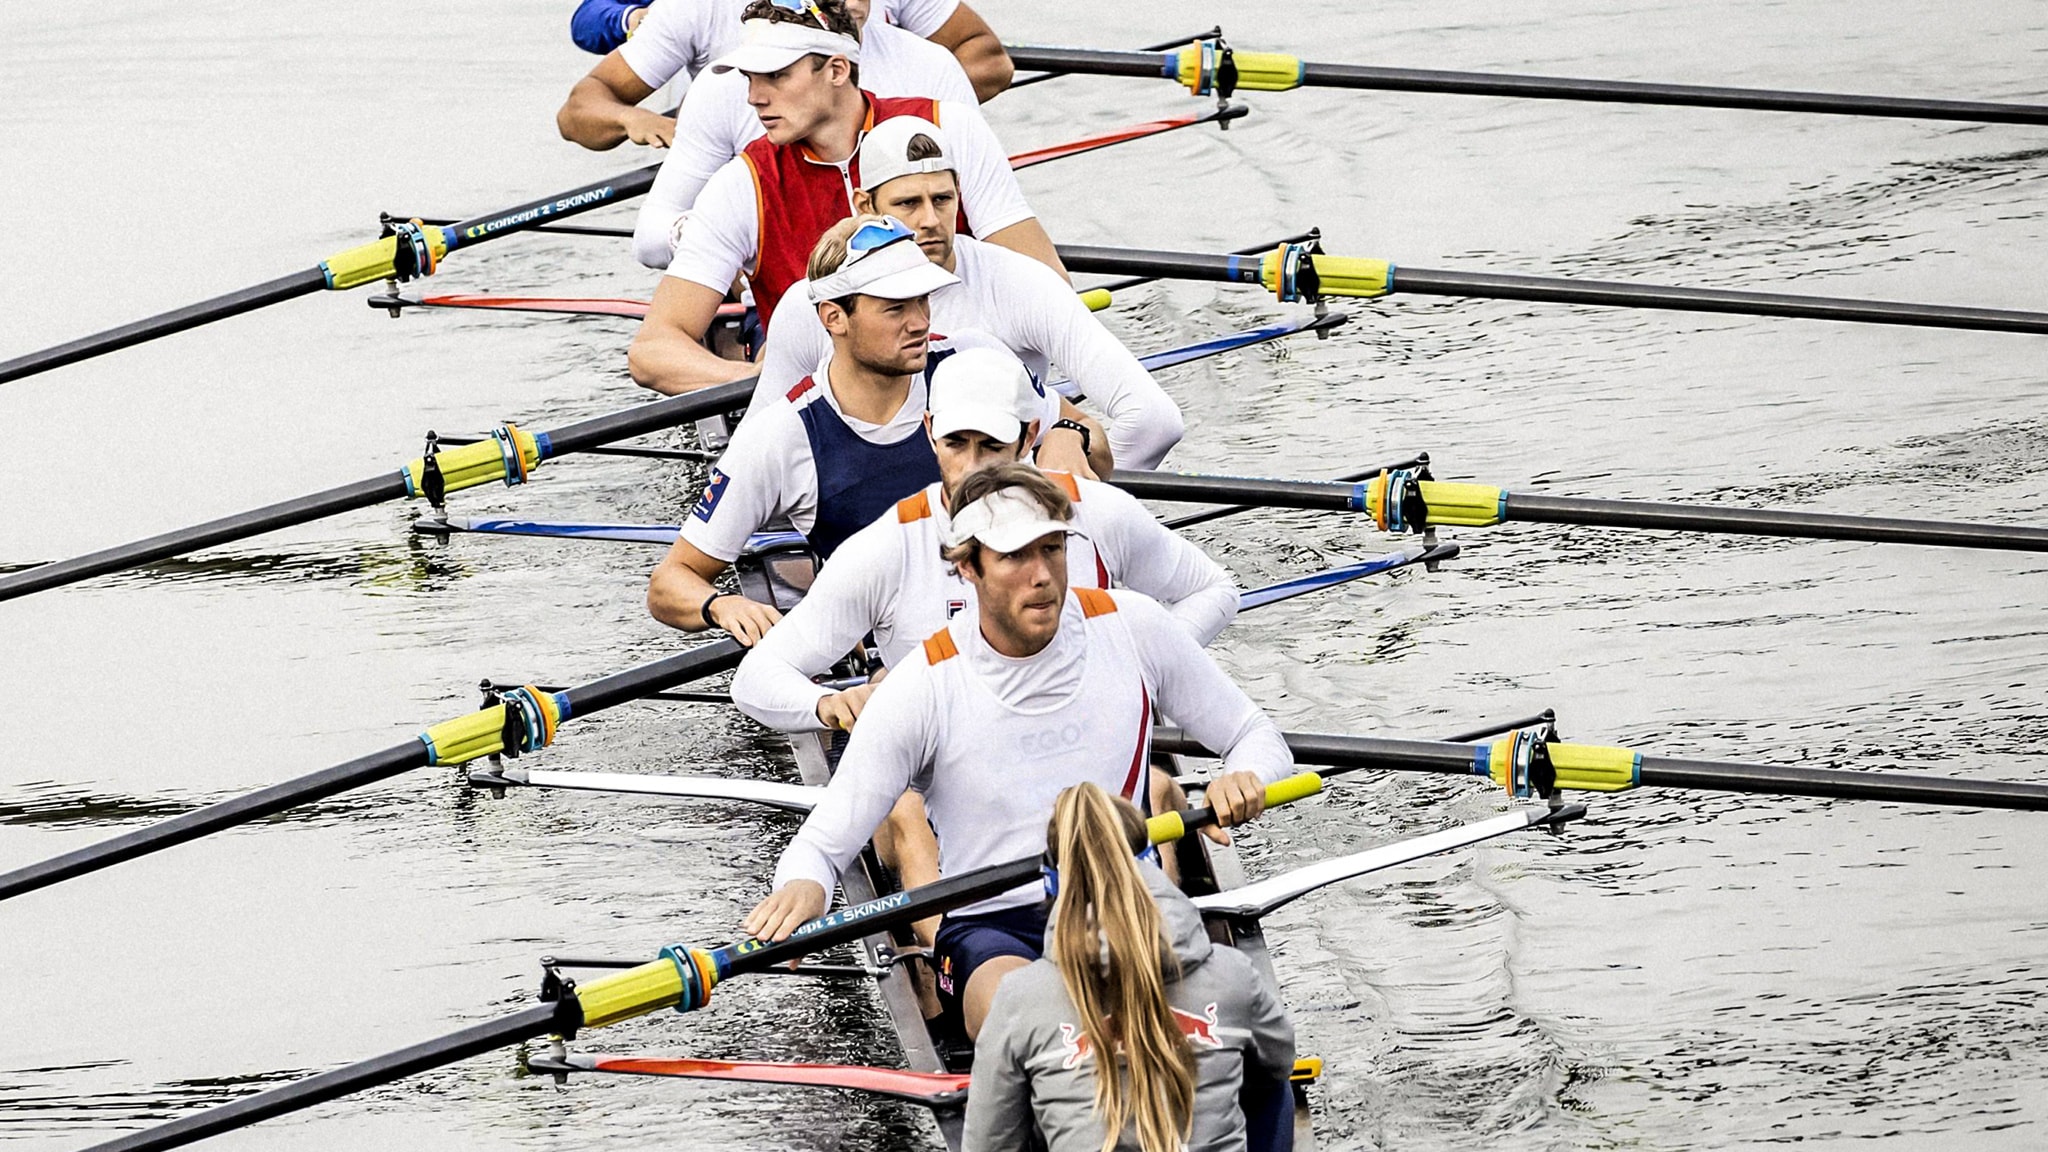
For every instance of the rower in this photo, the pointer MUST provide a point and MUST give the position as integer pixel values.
(847, 443)
(764, 209)
(1189, 1021)
(907, 171)
(715, 122)
(647, 45)
(888, 579)
(1038, 689)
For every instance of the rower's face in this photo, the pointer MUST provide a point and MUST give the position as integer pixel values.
(1021, 594)
(795, 100)
(965, 451)
(888, 336)
(928, 203)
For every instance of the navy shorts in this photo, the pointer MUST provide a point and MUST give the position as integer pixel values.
(965, 943)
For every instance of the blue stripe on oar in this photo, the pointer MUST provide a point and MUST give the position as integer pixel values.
(1317, 581)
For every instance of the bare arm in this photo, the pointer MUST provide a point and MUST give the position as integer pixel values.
(668, 353)
(1028, 238)
(683, 581)
(603, 109)
(1060, 448)
(972, 42)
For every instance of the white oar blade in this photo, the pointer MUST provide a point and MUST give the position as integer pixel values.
(1257, 899)
(789, 797)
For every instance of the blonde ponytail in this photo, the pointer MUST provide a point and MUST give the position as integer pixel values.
(1110, 947)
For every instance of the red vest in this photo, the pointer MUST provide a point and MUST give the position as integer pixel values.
(798, 197)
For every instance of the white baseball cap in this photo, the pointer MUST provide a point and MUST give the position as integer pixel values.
(882, 259)
(772, 45)
(1006, 520)
(885, 151)
(983, 390)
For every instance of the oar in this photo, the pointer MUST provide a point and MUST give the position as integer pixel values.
(415, 250)
(1531, 762)
(1298, 273)
(509, 455)
(931, 1089)
(1405, 500)
(1028, 80)
(525, 720)
(682, 978)
(1209, 65)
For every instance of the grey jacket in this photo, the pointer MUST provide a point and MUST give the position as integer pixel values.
(1031, 1067)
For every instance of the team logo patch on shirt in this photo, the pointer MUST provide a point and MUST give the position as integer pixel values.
(713, 491)
(955, 607)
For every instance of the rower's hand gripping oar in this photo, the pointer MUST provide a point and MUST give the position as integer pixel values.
(510, 454)
(523, 720)
(681, 978)
(1303, 272)
(1209, 65)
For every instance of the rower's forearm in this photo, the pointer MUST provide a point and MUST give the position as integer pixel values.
(671, 362)
(1028, 238)
(774, 692)
(593, 116)
(676, 595)
(988, 66)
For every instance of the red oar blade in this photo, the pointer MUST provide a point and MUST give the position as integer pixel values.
(932, 1089)
(1135, 132)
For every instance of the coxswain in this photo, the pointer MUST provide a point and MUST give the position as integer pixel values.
(1134, 1023)
(907, 171)
(1040, 688)
(889, 581)
(646, 46)
(761, 213)
(847, 442)
(715, 122)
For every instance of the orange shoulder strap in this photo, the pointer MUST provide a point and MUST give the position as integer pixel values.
(1095, 602)
(1066, 480)
(940, 647)
(911, 509)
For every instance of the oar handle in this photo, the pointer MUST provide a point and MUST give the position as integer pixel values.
(1170, 826)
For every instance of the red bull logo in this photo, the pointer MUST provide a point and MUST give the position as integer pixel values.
(1201, 1032)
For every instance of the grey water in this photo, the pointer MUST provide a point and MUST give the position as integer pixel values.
(1703, 970)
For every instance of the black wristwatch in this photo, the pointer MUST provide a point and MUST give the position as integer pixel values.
(1086, 440)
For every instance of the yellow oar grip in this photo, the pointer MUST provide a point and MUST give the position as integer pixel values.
(1096, 299)
(634, 992)
(1593, 768)
(466, 738)
(1466, 505)
(1168, 826)
(376, 260)
(1352, 275)
(478, 463)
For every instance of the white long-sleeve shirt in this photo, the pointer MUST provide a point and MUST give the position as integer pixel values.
(992, 740)
(1036, 315)
(888, 579)
(723, 233)
(716, 122)
(682, 37)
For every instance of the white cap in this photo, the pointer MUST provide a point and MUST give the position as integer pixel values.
(772, 45)
(885, 151)
(882, 259)
(1006, 520)
(983, 390)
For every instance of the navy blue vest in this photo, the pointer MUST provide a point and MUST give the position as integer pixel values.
(858, 481)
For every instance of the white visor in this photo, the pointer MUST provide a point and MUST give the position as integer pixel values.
(983, 390)
(895, 271)
(884, 151)
(1005, 520)
(772, 45)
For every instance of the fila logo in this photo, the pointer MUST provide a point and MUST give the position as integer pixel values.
(954, 608)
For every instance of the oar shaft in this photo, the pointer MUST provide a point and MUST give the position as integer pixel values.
(1240, 268)
(1841, 784)
(1555, 290)
(472, 1041)
(1771, 522)
(533, 213)
(164, 324)
(271, 517)
(1244, 490)
(215, 817)
(1157, 64)
(1359, 76)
